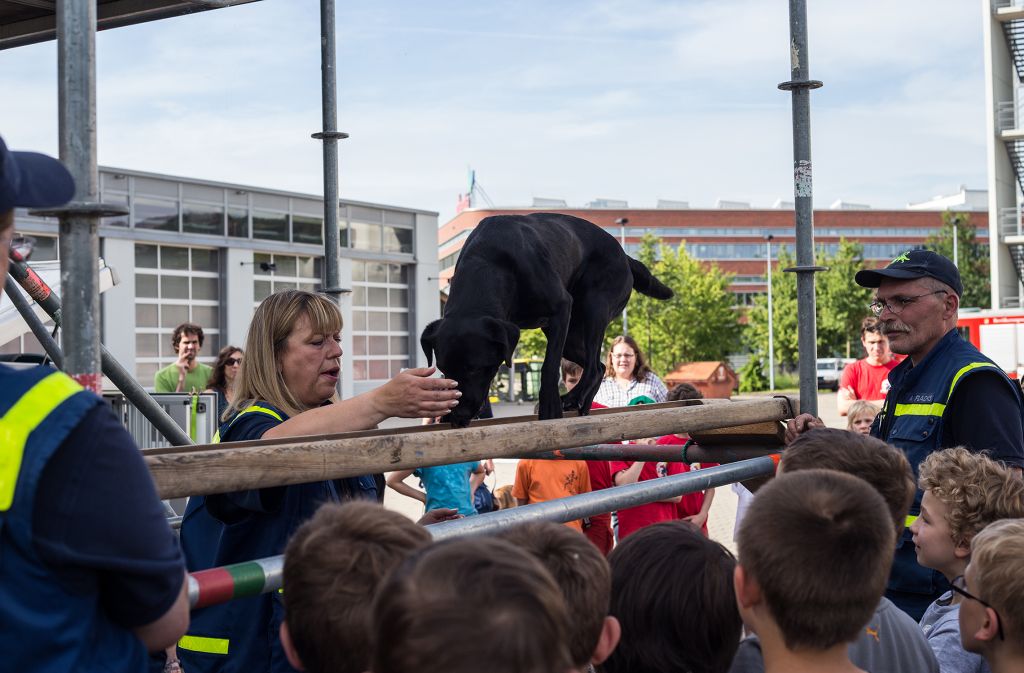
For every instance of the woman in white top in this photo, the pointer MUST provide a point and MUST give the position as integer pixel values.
(627, 376)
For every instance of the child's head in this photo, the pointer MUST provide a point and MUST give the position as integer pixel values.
(814, 553)
(503, 497)
(332, 568)
(672, 593)
(684, 391)
(582, 574)
(571, 373)
(467, 605)
(860, 416)
(881, 465)
(963, 493)
(994, 576)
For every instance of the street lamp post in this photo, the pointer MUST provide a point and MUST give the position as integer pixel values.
(622, 222)
(956, 236)
(771, 332)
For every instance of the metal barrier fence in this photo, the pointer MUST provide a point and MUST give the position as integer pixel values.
(241, 580)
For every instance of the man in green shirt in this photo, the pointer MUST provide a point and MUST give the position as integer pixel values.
(187, 373)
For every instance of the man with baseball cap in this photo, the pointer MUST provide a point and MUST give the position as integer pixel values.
(944, 394)
(91, 576)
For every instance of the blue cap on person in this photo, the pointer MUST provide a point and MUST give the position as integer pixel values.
(32, 180)
(915, 264)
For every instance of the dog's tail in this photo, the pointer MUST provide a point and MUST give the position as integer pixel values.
(644, 281)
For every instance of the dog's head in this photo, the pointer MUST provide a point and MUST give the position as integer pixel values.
(469, 350)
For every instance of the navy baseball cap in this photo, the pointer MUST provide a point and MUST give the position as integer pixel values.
(915, 264)
(32, 180)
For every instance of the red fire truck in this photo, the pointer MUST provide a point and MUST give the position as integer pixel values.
(998, 334)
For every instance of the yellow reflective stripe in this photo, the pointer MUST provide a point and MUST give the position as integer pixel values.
(964, 370)
(19, 422)
(254, 409)
(909, 521)
(203, 644)
(935, 409)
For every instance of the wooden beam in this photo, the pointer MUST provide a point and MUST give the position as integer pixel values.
(232, 467)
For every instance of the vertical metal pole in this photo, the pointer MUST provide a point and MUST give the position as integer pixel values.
(771, 330)
(956, 235)
(622, 222)
(801, 86)
(79, 238)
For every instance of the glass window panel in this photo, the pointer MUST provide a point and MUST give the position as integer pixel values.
(307, 267)
(285, 285)
(211, 344)
(398, 273)
(359, 370)
(205, 288)
(358, 345)
(402, 218)
(145, 285)
(146, 315)
(174, 287)
(156, 214)
(203, 219)
(399, 345)
(45, 250)
(376, 272)
(365, 214)
(343, 235)
(309, 287)
(156, 187)
(173, 315)
(269, 201)
(376, 296)
(399, 298)
(358, 270)
(359, 295)
(146, 372)
(397, 239)
(259, 258)
(376, 321)
(115, 200)
(285, 264)
(147, 345)
(378, 345)
(365, 236)
(398, 365)
(269, 226)
(173, 258)
(307, 230)
(378, 369)
(317, 266)
(260, 290)
(205, 259)
(399, 322)
(145, 256)
(359, 320)
(238, 222)
(206, 316)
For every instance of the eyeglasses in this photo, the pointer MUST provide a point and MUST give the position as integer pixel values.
(230, 362)
(897, 305)
(623, 356)
(959, 585)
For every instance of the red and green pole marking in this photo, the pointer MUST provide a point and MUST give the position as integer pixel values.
(240, 580)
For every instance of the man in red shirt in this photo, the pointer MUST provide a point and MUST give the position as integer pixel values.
(867, 379)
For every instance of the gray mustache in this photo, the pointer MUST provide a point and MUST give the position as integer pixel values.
(891, 328)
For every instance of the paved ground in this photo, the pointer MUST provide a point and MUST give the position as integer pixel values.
(723, 509)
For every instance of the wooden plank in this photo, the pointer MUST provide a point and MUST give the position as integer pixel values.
(232, 467)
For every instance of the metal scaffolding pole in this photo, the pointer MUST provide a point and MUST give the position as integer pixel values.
(251, 578)
(79, 221)
(800, 85)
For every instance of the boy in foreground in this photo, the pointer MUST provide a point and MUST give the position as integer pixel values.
(814, 554)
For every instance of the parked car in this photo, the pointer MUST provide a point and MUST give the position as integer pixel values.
(829, 371)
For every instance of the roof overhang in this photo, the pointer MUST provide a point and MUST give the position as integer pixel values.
(30, 21)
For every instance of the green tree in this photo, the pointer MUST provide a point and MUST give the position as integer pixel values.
(972, 257)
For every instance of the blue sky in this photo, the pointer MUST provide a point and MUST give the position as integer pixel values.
(635, 100)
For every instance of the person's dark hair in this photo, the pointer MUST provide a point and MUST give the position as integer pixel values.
(467, 605)
(580, 571)
(183, 328)
(672, 592)
(217, 380)
(881, 465)
(570, 368)
(819, 543)
(684, 391)
(870, 324)
(333, 566)
(640, 368)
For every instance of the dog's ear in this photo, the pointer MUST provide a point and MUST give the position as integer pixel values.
(428, 339)
(506, 334)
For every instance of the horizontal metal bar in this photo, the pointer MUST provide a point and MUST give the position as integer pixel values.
(218, 585)
(672, 453)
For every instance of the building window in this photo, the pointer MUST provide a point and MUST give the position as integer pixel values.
(306, 229)
(201, 218)
(273, 273)
(174, 285)
(270, 226)
(159, 214)
(380, 320)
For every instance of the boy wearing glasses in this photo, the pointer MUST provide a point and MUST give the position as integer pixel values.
(993, 626)
(963, 493)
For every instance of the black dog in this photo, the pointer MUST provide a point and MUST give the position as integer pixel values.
(557, 272)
